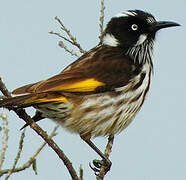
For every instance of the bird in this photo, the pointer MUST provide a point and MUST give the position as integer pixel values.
(100, 93)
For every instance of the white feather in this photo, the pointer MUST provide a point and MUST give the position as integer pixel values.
(125, 14)
(141, 39)
(110, 40)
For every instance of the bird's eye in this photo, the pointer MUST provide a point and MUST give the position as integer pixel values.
(134, 27)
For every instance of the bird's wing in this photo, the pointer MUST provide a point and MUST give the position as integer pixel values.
(102, 68)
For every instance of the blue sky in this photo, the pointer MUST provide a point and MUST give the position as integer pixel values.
(154, 145)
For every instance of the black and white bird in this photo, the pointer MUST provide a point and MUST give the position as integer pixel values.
(100, 93)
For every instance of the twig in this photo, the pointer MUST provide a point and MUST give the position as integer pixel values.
(4, 138)
(72, 40)
(32, 158)
(61, 44)
(101, 20)
(59, 35)
(34, 166)
(17, 156)
(75, 43)
(23, 115)
(3, 89)
(80, 173)
(107, 153)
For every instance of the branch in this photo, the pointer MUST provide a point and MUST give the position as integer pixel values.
(23, 115)
(108, 149)
(59, 35)
(32, 158)
(80, 173)
(4, 139)
(101, 20)
(17, 156)
(72, 40)
(62, 45)
(3, 89)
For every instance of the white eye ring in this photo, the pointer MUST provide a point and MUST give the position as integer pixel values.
(134, 27)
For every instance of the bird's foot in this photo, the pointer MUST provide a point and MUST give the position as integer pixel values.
(97, 164)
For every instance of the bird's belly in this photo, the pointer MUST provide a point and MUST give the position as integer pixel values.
(103, 115)
(99, 114)
(109, 113)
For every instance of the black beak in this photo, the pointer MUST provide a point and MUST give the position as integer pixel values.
(163, 24)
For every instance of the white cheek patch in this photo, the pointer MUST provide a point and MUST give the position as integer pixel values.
(141, 39)
(110, 40)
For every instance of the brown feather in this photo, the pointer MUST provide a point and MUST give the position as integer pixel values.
(13, 102)
(93, 64)
(32, 99)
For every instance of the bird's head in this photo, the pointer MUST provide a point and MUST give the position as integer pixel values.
(132, 28)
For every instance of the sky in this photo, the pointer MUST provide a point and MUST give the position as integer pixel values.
(154, 144)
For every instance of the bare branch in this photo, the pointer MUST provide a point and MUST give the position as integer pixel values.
(34, 166)
(17, 156)
(3, 89)
(23, 115)
(59, 35)
(32, 158)
(101, 20)
(107, 153)
(72, 40)
(80, 173)
(62, 45)
(4, 138)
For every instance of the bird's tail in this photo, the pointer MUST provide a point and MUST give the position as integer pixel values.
(32, 99)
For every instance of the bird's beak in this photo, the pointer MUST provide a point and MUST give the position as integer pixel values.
(163, 24)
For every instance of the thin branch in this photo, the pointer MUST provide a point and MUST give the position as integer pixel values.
(108, 149)
(59, 35)
(80, 173)
(101, 20)
(62, 45)
(34, 166)
(17, 156)
(70, 35)
(72, 40)
(4, 138)
(3, 89)
(23, 115)
(32, 158)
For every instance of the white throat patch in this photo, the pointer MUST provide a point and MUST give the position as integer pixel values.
(110, 40)
(141, 39)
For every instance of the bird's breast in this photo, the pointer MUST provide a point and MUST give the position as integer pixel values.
(104, 113)
(110, 112)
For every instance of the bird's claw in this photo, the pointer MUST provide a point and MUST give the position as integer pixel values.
(96, 170)
(97, 164)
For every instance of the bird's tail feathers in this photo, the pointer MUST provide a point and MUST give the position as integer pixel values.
(31, 100)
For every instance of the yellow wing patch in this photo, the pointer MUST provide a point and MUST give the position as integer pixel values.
(36, 100)
(84, 85)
